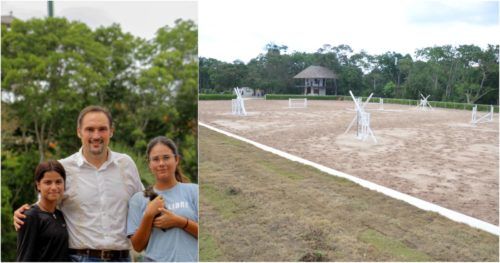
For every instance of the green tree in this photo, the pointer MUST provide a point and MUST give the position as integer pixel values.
(148, 85)
(64, 70)
(465, 73)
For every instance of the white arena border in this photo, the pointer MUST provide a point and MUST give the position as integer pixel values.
(453, 215)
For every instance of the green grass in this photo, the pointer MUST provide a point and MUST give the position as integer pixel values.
(220, 200)
(209, 250)
(286, 211)
(275, 169)
(391, 246)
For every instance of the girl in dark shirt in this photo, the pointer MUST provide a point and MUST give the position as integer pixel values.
(44, 237)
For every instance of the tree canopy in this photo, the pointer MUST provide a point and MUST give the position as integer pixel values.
(465, 73)
(52, 68)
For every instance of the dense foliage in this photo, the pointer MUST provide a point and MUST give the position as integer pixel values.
(52, 68)
(465, 73)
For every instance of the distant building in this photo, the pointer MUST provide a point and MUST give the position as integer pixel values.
(315, 79)
(7, 19)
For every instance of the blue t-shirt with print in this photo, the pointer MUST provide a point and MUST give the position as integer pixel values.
(174, 244)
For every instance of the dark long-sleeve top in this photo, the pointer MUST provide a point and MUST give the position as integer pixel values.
(43, 237)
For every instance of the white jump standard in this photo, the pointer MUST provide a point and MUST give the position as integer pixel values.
(485, 118)
(363, 120)
(297, 103)
(424, 103)
(238, 105)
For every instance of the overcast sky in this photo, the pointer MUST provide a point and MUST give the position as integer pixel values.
(141, 18)
(240, 29)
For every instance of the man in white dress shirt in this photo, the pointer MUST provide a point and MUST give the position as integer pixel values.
(99, 183)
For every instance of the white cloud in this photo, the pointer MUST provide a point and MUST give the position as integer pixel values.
(141, 18)
(240, 29)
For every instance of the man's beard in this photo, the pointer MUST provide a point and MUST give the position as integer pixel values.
(95, 151)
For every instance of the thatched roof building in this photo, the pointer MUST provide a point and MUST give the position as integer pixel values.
(315, 72)
(315, 79)
(7, 19)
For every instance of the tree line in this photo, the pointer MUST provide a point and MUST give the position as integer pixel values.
(464, 73)
(52, 68)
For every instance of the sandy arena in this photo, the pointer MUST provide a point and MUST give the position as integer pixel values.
(433, 155)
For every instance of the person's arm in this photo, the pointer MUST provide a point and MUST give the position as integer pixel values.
(19, 216)
(192, 228)
(168, 219)
(26, 239)
(141, 236)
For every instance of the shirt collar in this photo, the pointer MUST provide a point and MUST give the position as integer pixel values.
(80, 159)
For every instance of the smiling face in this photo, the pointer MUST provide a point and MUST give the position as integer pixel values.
(162, 163)
(51, 186)
(95, 133)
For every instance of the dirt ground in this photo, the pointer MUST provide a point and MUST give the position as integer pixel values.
(257, 206)
(433, 155)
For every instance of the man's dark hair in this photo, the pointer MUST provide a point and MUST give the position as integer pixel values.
(94, 108)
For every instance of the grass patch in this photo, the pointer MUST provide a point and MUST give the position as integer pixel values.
(220, 200)
(275, 169)
(391, 246)
(316, 256)
(257, 206)
(209, 251)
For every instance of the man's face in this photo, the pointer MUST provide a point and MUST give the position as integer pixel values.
(95, 133)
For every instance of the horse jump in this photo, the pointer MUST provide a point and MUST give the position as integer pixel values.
(297, 103)
(238, 105)
(424, 104)
(363, 120)
(485, 118)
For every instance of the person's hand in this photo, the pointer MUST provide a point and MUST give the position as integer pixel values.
(19, 216)
(154, 206)
(167, 220)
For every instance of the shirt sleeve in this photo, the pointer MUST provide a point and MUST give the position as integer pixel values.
(26, 239)
(136, 179)
(135, 213)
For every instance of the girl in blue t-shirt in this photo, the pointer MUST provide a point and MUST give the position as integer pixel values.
(167, 225)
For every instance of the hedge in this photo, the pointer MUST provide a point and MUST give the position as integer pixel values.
(436, 104)
(202, 96)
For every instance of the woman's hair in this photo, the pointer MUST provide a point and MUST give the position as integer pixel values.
(49, 166)
(170, 144)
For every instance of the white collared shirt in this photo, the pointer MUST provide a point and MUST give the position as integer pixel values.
(95, 202)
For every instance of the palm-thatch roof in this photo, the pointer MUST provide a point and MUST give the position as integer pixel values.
(7, 20)
(315, 72)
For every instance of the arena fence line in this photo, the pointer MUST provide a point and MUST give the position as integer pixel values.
(438, 104)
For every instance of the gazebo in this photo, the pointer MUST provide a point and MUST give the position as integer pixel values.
(315, 79)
